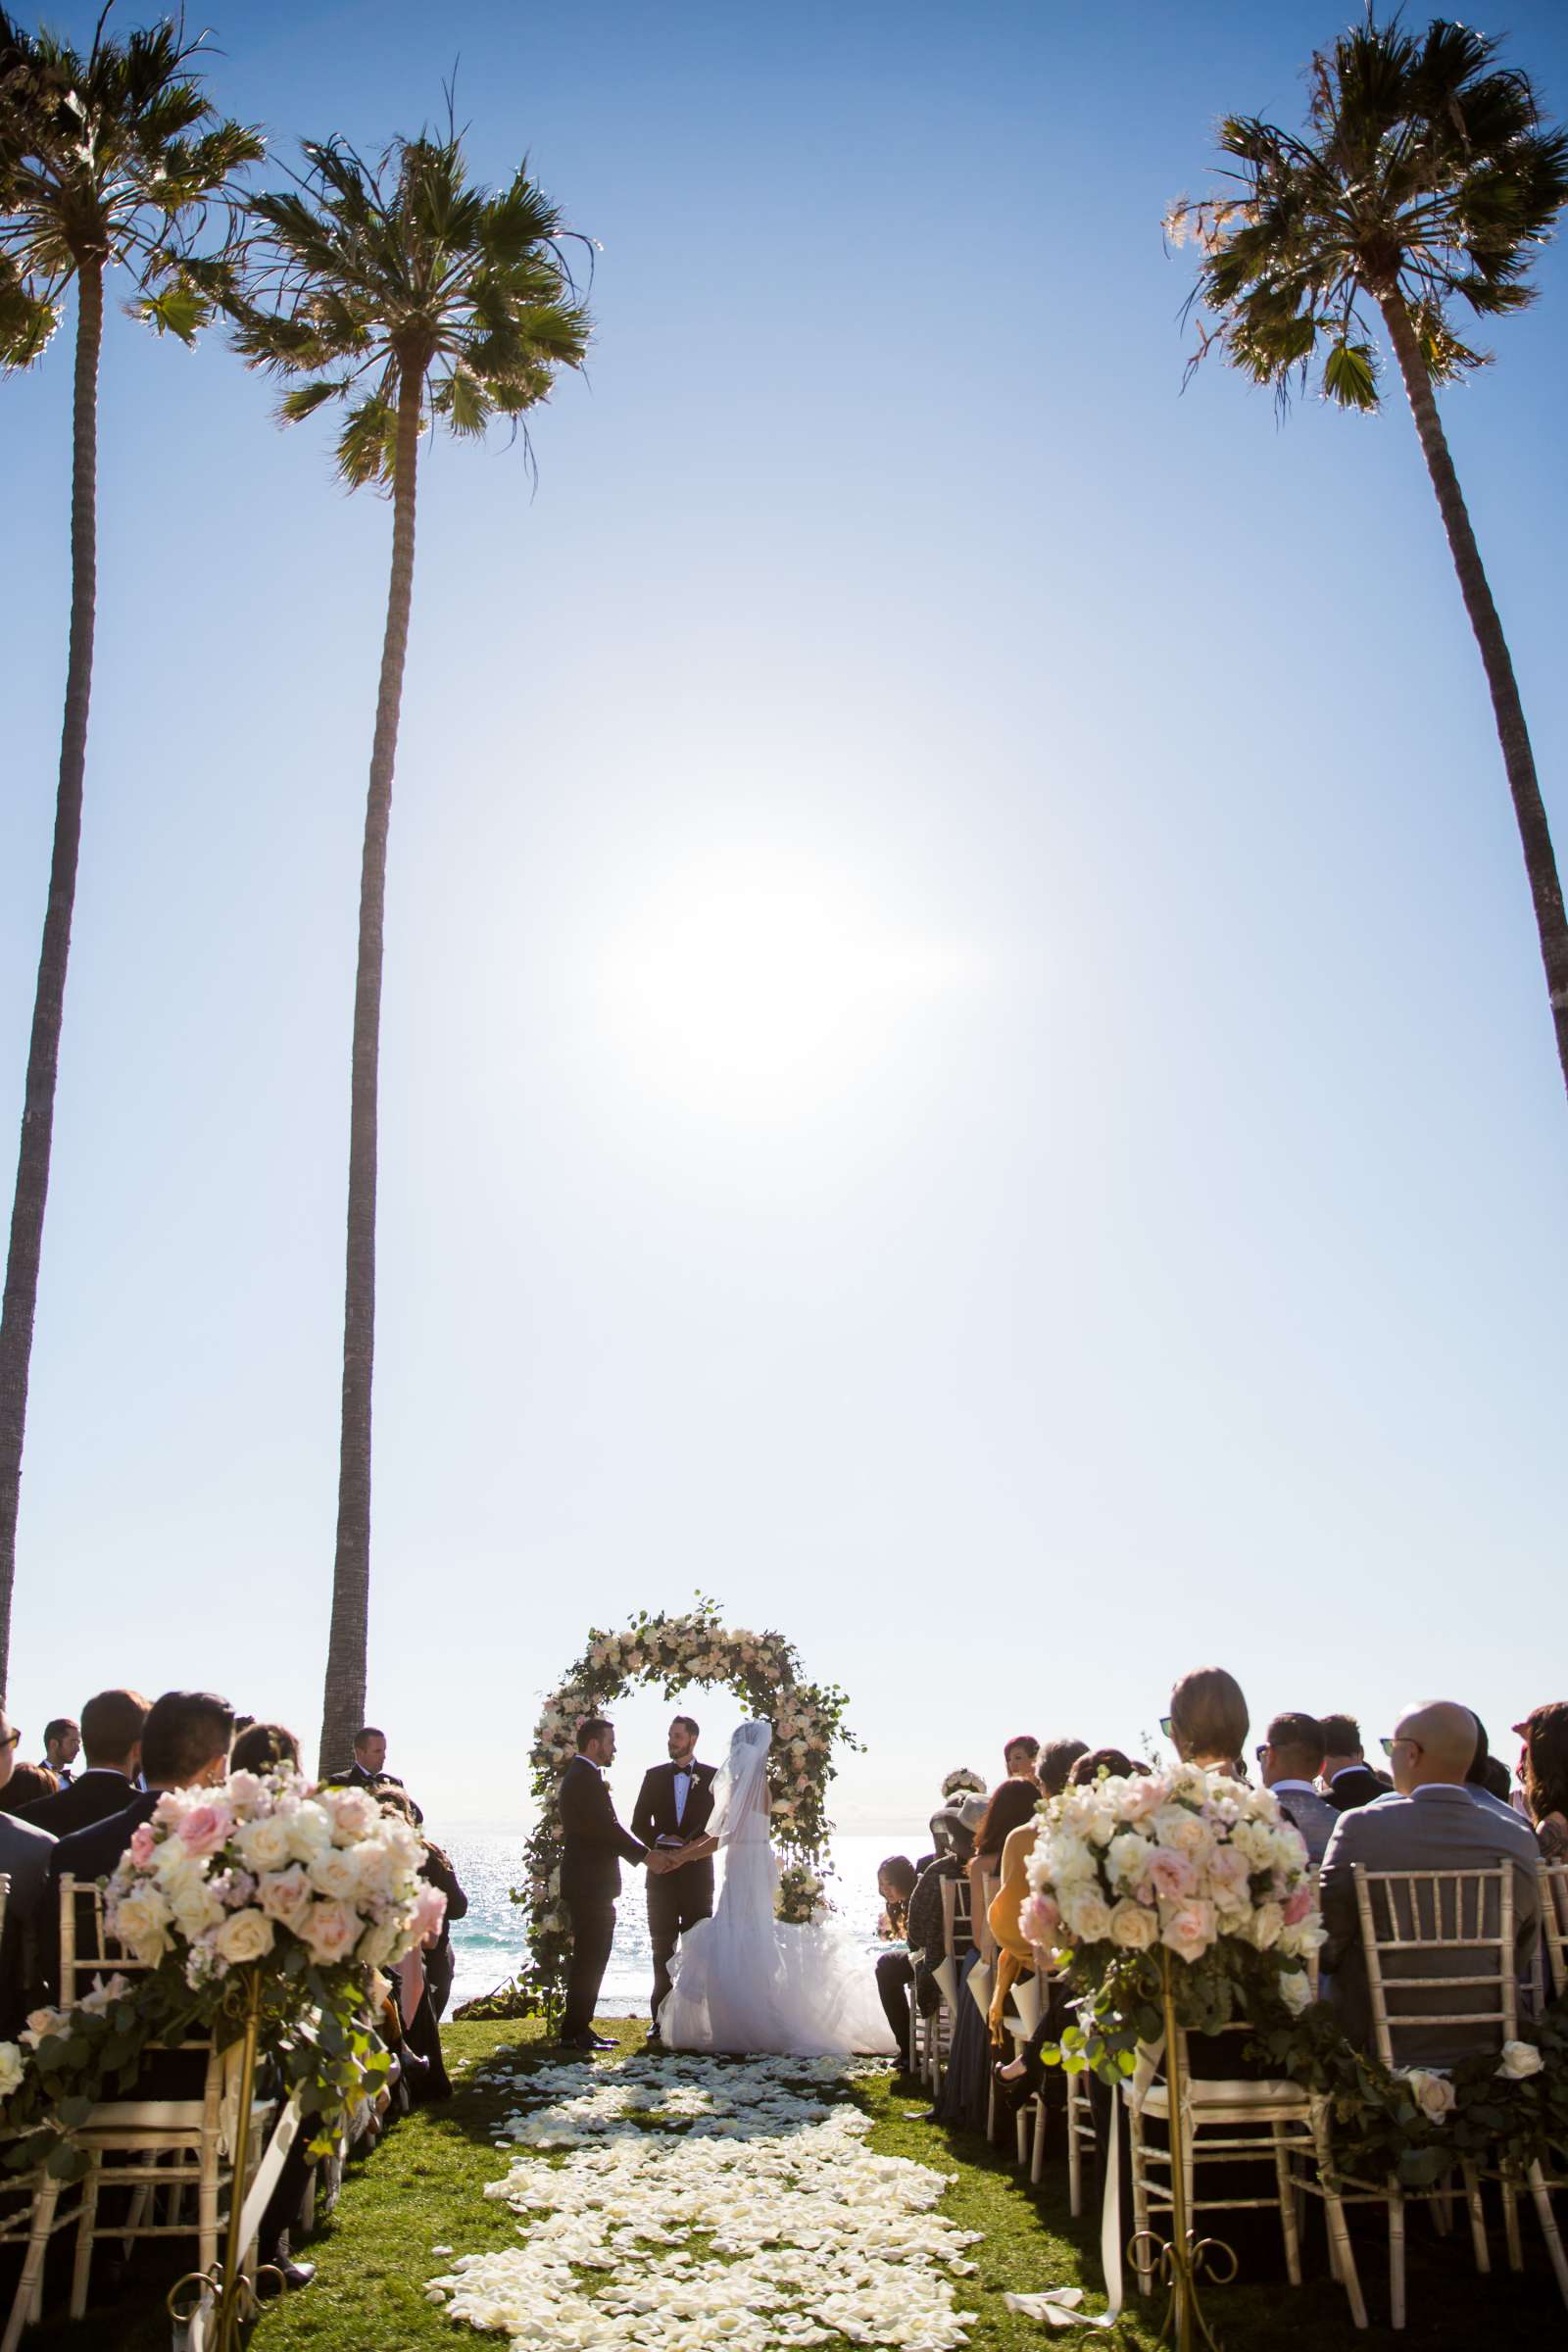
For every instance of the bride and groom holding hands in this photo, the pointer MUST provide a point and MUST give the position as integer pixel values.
(740, 1981)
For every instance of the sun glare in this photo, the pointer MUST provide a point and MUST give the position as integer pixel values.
(762, 979)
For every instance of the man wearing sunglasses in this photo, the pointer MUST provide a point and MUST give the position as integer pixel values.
(1429, 1823)
(1289, 1760)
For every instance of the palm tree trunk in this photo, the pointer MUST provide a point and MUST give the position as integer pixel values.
(343, 1704)
(49, 1002)
(1518, 759)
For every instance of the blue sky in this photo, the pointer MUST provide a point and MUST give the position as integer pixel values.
(964, 1058)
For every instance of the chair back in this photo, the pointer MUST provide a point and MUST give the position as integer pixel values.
(1441, 1972)
(1553, 1877)
(957, 1927)
(5, 1897)
(87, 1951)
(989, 1888)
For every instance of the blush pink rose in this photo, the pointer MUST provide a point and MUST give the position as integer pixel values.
(1298, 1906)
(204, 1829)
(1229, 1868)
(1170, 1874)
(429, 1910)
(143, 1844)
(330, 1933)
(286, 1894)
(1188, 1929)
(1038, 1919)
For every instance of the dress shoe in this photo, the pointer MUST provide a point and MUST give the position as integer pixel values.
(600, 2042)
(292, 2276)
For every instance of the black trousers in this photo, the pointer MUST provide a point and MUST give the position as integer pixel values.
(592, 1931)
(676, 1900)
(894, 1975)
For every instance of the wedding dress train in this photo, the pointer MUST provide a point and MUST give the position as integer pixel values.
(746, 1984)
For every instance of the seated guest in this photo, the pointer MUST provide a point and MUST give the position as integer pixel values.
(264, 1747)
(28, 1786)
(1347, 1779)
(1056, 1760)
(1207, 1720)
(111, 1737)
(62, 1746)
(1544, 1776)
(185, 1744)
(952, 1832)
(1430, 1823)
(1021, 1756)
(1097, 1760)
(896, 1882)
(1290, 1761)
(1016, 1956)
(1012, 1804)
(25, 1853)
(1479, 1778)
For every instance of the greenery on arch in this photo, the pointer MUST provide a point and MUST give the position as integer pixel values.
(762, 1671)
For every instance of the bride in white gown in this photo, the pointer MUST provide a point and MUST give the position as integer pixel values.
(746, 1984)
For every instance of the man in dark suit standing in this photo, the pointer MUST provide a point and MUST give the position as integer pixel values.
(594, 1849)
(112, 1724)
(673, 1807)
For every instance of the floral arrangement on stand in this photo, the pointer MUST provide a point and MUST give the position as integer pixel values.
(671, 1652)
(1203, 1869)
(265, 1898)
(1185, 1865)
(801, 1900)
(963, 1782)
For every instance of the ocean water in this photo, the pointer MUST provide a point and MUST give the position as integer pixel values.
(489, 1945)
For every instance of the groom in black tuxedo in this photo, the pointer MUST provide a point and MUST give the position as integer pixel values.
(673, 1808)
(593, 1849)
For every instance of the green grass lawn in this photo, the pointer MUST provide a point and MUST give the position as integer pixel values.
(423, 2188)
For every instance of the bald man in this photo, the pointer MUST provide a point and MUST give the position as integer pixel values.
(1429, 1823)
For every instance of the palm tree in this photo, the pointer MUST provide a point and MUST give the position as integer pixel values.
(1426, 179)
(392, 287)
(111, 161)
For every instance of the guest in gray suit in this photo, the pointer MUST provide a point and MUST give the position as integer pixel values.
(1289, 1760)
(24, 1858)
(1431, 1823)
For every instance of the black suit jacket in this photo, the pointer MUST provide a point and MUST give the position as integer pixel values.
(25, 1853)
(595, 1844)
(97, 1796)
(1357, 1785)
(89, 1854)
(652, 1816)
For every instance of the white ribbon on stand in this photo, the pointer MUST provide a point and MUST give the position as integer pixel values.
(197, 2333)
(1059, 2306)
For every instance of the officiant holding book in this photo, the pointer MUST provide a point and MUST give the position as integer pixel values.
(673, 1808)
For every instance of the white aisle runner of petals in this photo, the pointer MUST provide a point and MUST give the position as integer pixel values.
(705, 2202)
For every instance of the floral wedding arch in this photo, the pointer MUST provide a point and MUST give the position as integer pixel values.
(763, 1673)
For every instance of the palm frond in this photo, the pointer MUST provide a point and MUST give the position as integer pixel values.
(1425, 176)
(401, 266)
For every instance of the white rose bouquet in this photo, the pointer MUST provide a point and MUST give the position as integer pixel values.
(270, 1869)
(800, 1899)
(1188, 1864)
(265, 1888)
